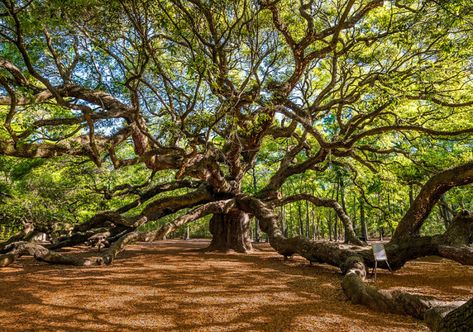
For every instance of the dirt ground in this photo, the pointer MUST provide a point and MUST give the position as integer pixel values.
(169, 286)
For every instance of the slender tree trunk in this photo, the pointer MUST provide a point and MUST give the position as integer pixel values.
(335, 226)
(299, 215)
(291, 220)
(411, 194)
(255, 189)
(354, 214)
(329, 225)
(282, 216)
(307, 220)
(444, 211)
(187, 235)
(364, 228)
(344, 206)
(230, 231)
(380, 218)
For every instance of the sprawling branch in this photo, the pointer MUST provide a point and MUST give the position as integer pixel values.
(41, 253)
(193, 215)
(350, 235)
(429, 195)
(160, 188)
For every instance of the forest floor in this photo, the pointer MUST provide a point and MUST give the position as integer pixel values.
(169, 286)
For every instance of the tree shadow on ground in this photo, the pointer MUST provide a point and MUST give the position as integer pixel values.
(168, 286)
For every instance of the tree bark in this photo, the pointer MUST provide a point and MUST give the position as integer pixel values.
(299, 215)
(43, 254)
(230, 231)
(457, 320)
(428, 197)
(460, 230)
(307, 221)
(335, 225)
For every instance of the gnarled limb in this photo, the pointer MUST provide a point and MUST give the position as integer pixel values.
(111, 217)
(195, 214)
(76, 238)
(462, 255)
(169, 205)
(460, 230)
(437, 314)
(429, 195)
(43, 254)
(121, 230)
(118, 246)
(331, 203)
(20, 236)
(452, 318)
(153, 211)
(353, 262)
(336, 254)
(157, 189)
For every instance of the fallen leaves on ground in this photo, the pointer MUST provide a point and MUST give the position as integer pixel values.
(170, 286)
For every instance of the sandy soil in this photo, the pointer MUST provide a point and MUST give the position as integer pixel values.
(168, 286)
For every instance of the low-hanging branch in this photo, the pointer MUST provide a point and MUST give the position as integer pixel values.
(217, 207)
(350, 235)
(429, 196)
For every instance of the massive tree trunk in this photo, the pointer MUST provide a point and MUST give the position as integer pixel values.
(230, 231)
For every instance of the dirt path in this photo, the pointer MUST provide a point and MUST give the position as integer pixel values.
(168, 286)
